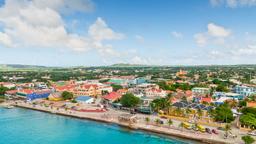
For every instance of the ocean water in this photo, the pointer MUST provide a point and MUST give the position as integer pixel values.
(23, 126)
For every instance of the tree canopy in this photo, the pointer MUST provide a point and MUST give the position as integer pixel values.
(223, 113)
(3, 90)
(116, 87)
(248, 139)
(160, 104)
(67, 95)
(129, 100)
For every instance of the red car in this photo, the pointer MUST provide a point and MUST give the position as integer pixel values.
(214, 131)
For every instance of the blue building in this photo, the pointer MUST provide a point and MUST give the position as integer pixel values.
(38, 95)
(244, 90)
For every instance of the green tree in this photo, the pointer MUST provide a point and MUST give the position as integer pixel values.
(116, 87)
(147, 119)
(223, 113)
(248, 139)
(170, 122)
(160, 104)
(67, 95)
(3, 90)
(227, 128)
(129, 100)
(157, 121)
(242, 103)
(221, 88)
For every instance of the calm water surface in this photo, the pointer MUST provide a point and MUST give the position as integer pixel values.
(22, 126)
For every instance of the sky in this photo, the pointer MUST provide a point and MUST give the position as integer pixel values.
(105, 32)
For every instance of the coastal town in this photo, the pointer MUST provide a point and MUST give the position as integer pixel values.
(209, 104)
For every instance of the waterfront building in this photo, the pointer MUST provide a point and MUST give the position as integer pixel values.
(111, 97)
(30, 94)
(84, 99)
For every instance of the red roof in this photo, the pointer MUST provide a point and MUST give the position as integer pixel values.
(206, 99)
(26, 91)
(11, 91)
(87, 86)
(112, 96)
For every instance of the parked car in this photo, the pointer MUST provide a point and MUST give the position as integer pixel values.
(214, 131)
(253, 133)
(208, 130)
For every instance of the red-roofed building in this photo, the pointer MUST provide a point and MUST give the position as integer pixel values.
(68, 88)
(206, 99)
(11, 93)
(111, 97)
(7, 84)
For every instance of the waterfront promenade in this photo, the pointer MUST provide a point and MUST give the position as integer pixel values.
(111, 116)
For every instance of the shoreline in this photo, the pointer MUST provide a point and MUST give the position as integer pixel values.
(148, 128)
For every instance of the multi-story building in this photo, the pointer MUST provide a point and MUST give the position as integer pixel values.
(153, 92)
(244, 90)
(199, 92)
(87, 90)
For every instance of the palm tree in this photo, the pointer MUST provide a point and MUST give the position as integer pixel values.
(181, 125)
(188, 111)
(157, 121)
(178, 111)
(170, 122)
(147, 119)
(227, 128)
(199, 113)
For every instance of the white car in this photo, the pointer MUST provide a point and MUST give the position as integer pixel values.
(253, 133)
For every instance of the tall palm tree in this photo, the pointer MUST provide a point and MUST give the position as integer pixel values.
(147, 119)
(188, 111)
(199, 113)
(170, 122)
(157, 121)
(227, 128)
(178, 111)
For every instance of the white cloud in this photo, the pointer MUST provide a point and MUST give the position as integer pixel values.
(201, 39)
(5, 40)
(139, 38)
(218, 31)
(234, 3)
(100, 31)
(38, 23)
(65, 6)
(177, 34)
(215, 34)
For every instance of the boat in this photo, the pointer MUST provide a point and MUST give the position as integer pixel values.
(10, 106)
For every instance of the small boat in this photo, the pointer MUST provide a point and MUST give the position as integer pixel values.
(10, 106)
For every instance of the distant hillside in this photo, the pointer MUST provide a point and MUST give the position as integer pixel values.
(20, 66)
(129, 65)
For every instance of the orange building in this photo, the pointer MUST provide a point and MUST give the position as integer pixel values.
(251, 104)
(87, 90)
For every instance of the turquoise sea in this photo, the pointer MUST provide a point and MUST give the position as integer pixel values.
(23, 126)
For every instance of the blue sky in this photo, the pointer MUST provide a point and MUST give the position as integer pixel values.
(104, 32)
